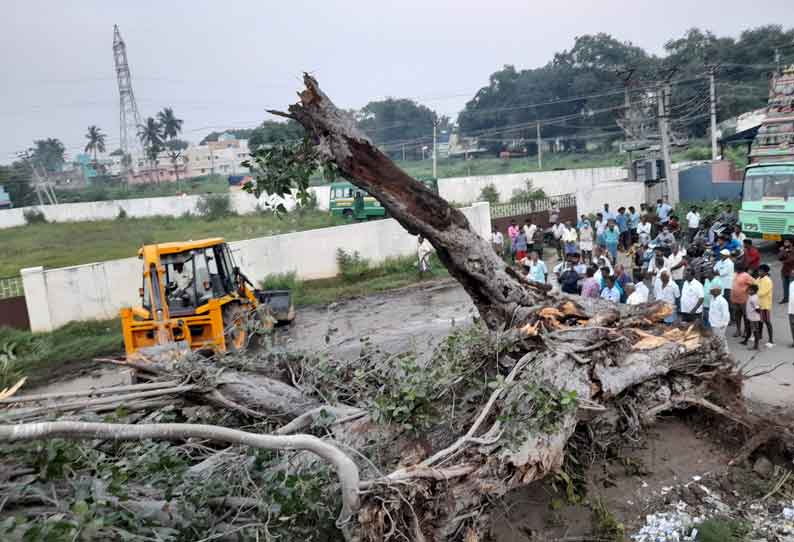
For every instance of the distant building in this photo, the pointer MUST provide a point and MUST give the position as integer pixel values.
(223, 157)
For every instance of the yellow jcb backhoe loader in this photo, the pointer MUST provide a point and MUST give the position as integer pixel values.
(194, 296)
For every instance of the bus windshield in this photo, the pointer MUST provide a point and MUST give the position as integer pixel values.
(769, 183)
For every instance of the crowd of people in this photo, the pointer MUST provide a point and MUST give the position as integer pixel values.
(712, 275)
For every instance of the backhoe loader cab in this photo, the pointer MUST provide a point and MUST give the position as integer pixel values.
(193, 294)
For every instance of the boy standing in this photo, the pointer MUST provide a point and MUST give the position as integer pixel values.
(752, 317)
(764, 284)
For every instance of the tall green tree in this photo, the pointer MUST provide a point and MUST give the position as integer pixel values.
(16, 179)
(397, 123)
(151, 137)
(48, 155)
(170, 126)
(272, 133)
(96, 143)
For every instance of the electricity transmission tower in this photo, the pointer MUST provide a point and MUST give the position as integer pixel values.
(129, 118)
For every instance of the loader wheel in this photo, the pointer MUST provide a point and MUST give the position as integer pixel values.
(236, 326)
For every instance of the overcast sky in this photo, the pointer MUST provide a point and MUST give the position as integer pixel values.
(222, 63)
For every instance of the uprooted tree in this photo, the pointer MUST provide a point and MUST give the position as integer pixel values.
(421, 445)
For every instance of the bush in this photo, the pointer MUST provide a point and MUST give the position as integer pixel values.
(528, 193)
(214, 206)
(34, 216)
(310, 203)
(489, 194)
(122, 214)
(698, 153)
(283, 281)
(351, 266)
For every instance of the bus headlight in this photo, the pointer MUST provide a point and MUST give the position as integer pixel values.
(750, 227)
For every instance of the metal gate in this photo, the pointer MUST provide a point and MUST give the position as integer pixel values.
(13, 309)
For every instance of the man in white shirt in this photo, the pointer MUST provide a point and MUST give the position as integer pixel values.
(610, 292)
(724, 268)
(676, 262)
(497, 240)
(719, 315)
(666, 290)
(529, 230)
(557, 231)
(644, 230)
(636, 295)
(569, 238)
(691, 298)
(693, 222)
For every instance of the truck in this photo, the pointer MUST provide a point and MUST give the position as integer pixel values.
(355, 203)
(767, 208)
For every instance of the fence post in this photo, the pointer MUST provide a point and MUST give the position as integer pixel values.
(36, 298)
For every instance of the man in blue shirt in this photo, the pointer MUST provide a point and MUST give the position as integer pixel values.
(663, 211)
(623, 226)
(608, 215)
(610, 292)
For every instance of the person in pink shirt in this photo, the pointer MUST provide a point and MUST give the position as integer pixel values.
(590, 286)
(512, 233)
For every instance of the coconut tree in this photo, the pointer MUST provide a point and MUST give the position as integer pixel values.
(170, 125)
(96, 143)
(151, 135)
(171, 128)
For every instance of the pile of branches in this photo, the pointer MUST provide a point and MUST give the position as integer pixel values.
(380, 447)
(407, 446)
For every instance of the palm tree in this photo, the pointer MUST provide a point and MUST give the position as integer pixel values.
(171, 126)
(96, 143)
(151, 136)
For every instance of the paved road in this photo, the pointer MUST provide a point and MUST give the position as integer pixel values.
(776, 388)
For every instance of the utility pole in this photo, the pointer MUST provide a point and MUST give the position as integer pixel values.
(403, 152)
(540, 146)
(435, 164)
(627, 111)
(663, 100)
(713, 112)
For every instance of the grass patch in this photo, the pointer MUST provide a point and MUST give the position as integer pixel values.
(391, 273)
(40, 355)
(53, 245)
(606, 527)
(722, 530)
(104, 191)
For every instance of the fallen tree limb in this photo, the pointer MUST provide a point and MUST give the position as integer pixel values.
(346, 469)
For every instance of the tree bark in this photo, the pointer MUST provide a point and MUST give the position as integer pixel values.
(501, 296)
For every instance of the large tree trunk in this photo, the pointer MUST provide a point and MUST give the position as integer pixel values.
(499, 294)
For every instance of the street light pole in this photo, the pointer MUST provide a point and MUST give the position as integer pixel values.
(435, 164)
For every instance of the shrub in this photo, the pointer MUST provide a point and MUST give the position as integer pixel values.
(698, 153)
(214, 206)
(34, 216)
(283, 281)
(122, 214)
(489, 194)
(351, 266)
(310, 204)
(528, 193)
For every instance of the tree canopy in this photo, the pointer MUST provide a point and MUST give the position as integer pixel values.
(583, 88)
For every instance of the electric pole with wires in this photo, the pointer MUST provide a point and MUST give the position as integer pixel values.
(713, 112)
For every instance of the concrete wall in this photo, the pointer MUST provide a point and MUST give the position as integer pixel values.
(55, 297)
(467, 189)
(242, 203)
(455, 189)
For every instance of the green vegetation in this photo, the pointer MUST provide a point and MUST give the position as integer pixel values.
(528, 193)
(605, 526)
(39, 355)
(104, 191)
(214, 206)
(722, 530)
(490, 194)
(53, 245)
(357, 277)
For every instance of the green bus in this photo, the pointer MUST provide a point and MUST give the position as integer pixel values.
(767, 210)
(353, 202)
